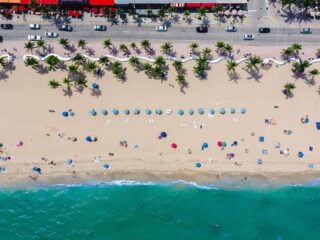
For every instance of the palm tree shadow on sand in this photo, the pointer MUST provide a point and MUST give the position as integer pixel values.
(254, 74)
(67, 92)
(234, 76)
(95, 92)
(42, 69)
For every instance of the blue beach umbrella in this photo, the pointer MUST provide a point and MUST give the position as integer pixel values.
(104, 112)
(300, 154)
(211, 111)
(200, 111)
(204, 146)
(180, 112)
(95, 85)
(65, 114)
(126, 111)
(88, 139)
(242, 110)
(222, 111)
(115, 111)
(148, 111)
(163, 134)
(71, 114)
(69, 161)
(198, 165)
(136, 111)
(232, 110)
(159, 111)
(106, 166)
(93, 112)
(191, 112)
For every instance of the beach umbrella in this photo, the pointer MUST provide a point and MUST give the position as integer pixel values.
(242, 110)
(227, 12)
(211, 111)
(88, 139)
(159, 111)
(219, 144)
(300, 154)
(163, 134)
(204, 146)
(71, 114)
(174, 145)
(65, 114)
(136, 111)
(104, 112)
(234, 12)
(95, 85)
(115, 111)
(126, 111)
(200, 111)
(93, 112)
(148, 111)
(106, 166)
(191, 112)
(222, 111)
(69, 161)
(180, 112)
(232, 110)
(198, 165)
(224, 144)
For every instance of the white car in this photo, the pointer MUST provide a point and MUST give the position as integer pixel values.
(231, 28)
(248, 37)
(100, 28)
(34, 26)
(161, 29)
(51, 34)
(34, 37)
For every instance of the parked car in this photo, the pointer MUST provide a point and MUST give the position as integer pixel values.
(6, 26)
(51, 34)
(1, 39)
(264, 30)
(34, 37)
(100, 28)
(248, 37)
(34, 26)
(202, 29)
(305, 30)
(65, 27)
(231, 28)
(161, 28)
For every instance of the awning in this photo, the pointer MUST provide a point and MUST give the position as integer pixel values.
(48, 2)
(22, 8)
(101, 2)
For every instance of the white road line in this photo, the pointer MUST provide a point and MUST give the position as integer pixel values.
(254, 10)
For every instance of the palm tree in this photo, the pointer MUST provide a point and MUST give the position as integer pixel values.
(107, 43)
(149, 13)
(134, 61)
(296, 47)
(166, 48)
(202, 12)
(78, 59)
(67, 82)
(181, 80)
(160, 61)
(231, 65)
(288, 87)
(158, 72)
(133, 45)
(31, 61)
(53, 62)
(186, 15)
(171, 10)
(287, 52)
(123, 47)
(90, 66)
(252, 62)
(41, 43)
(228, 48)
(82, 44)
(206, 52)
(193, 47)
(29, 46)
(133, 13)
(177, 64)
(314, 72)
(117, 69)
(3, 61)
(54, 84)
(145, 44)
(104, 60)
(220, 47)
(73, 69)
(64, 42)
(161, 13)
(81, 83)
(300, 66)
(199, 70)
(147, 68)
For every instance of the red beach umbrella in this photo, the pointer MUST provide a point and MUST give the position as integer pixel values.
(173, 145)
(219, 144)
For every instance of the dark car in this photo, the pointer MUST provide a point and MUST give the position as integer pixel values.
(66, 28)
(202, 29)
(6, 26)
(1, 39)
(264, 30)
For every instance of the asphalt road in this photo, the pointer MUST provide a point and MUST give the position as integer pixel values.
(180, 33)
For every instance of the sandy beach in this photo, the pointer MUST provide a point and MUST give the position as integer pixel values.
(47, 143)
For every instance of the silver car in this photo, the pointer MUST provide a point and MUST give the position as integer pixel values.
(34, 37)
(34, 26)
(51, 34)
(248, 37)
(161, 29)
(231, 28)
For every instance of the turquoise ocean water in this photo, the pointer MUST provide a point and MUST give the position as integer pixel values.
(161, 212)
